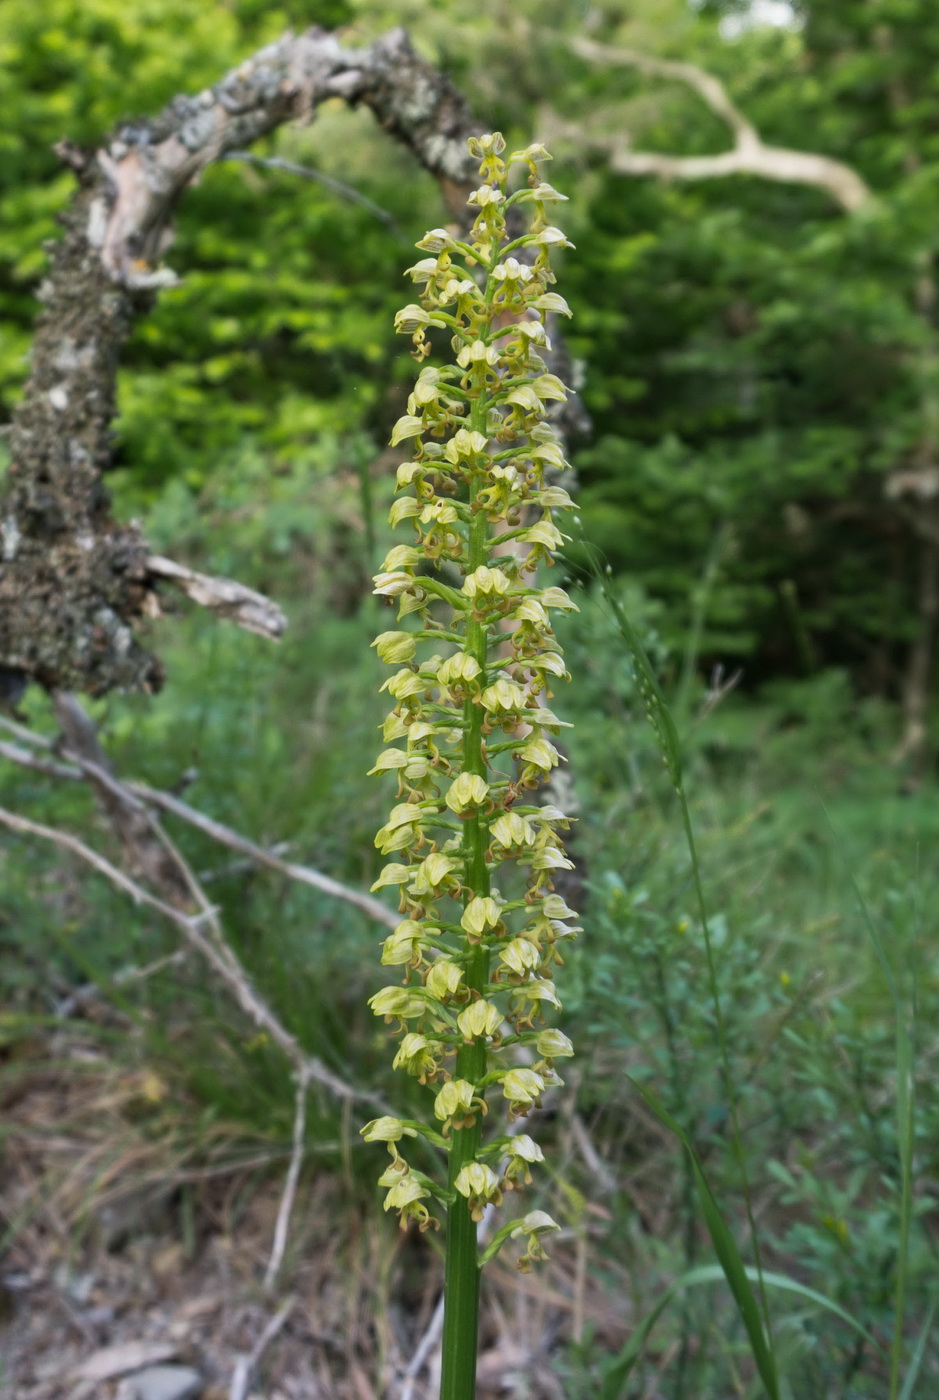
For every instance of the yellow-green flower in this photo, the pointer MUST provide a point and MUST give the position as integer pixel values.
(470, 733)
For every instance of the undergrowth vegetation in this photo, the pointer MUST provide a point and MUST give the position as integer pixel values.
(798, 817)
(757, 371)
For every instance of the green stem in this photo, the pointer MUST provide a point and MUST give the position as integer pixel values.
(461, 1270)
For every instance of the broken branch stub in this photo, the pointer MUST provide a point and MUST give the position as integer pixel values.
(74, 583)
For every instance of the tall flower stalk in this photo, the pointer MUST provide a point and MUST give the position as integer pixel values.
(470, 738)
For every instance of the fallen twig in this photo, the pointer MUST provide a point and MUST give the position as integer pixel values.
(246, 1366)
(125, 978)
(224, 835)
(213, 949)
(290, 1185)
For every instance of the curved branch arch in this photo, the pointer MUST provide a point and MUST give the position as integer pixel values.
(73, 581)
(750, 154)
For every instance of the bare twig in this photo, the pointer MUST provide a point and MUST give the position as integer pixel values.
(125, 978)
(223, 596)
(212, 947)
(240, 865)
(224, 835)
(290, 1185)
(150, 847)
(328, 182)
(14, 754)
(246, 1366)
(303, 874)
(604, 1180)
(104, 867)
(719, 688)
(145, 846)
(422, 1352)
(750, 154)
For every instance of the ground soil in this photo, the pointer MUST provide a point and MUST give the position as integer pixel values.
(118, 1234)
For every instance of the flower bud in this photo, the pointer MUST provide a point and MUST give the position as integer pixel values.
(443, 979)
(553, 1044)
(393, 874)
(401, 556)
(513, 830)
(512, 271)
(406, 1197)
(504, 696)
(386, 1129)
(454, 1099)
(412, 318)
(458, 669)
(395, 647)
(388, 760)
(464, 445)
(540, 753)
(476, 1179)
(523, 1088)
(486, 196)
(407, 427)
(435, 241)
(431, 873)
(478, 353)
(480, 914)
(416, 1057)
(423, 270)
(469, 790)
(522, 1146)
(557, 598)
(479, 1018)
(535, 1224)
(532, 153)
(520, 956)
(491, 144)
(554, 907)
(397, 1001)
(486, 582)
(392, 584)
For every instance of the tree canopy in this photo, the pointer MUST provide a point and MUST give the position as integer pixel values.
(757, 361)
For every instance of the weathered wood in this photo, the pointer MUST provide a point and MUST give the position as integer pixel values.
(73, 581)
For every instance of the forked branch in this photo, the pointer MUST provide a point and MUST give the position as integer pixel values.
(74, 583)
(750, 154)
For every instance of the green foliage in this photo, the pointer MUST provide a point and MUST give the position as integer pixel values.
(755, 364)
(836, 1157)
(755, 360)
(280, 328)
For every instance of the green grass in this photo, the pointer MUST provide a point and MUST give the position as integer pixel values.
(796, 813)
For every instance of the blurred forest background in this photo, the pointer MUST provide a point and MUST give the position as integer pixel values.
(760, 367)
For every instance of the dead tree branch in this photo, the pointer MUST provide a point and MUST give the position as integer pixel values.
(750, 154)
(74, 583)
(139, 795)
(224, 597)
(213, 947)
(149, 850)
(145, 849)
(104, 867)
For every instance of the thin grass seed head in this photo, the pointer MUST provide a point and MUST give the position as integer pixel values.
(471, 731)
